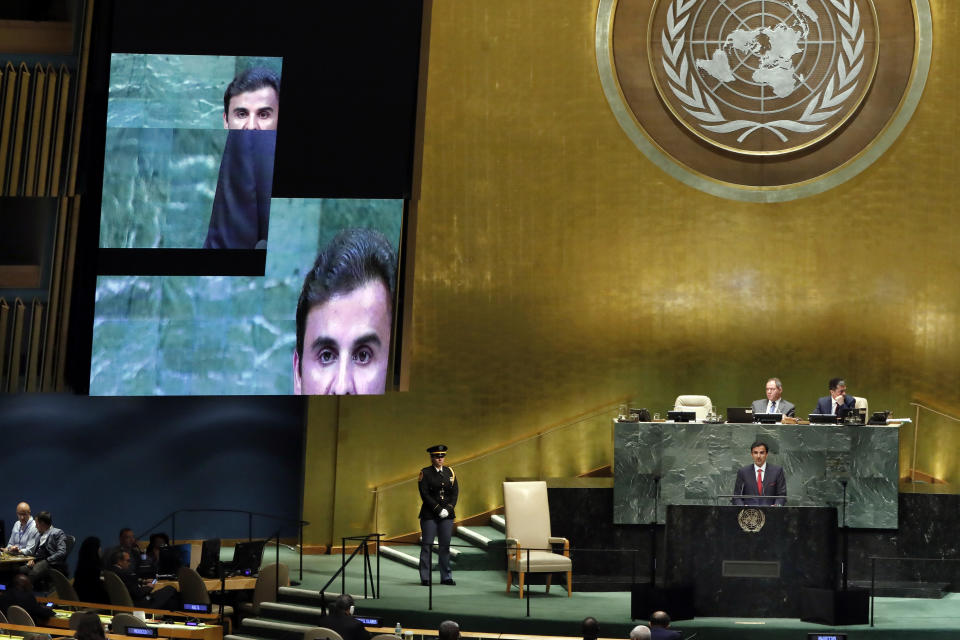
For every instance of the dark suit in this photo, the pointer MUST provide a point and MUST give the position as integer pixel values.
(25, 599)
(659, 633)
(784, 407)
(241, 204)
(51, 553)
(825, 404)
(774, 484)
(144, 595)
(439, 490)
(347, 626)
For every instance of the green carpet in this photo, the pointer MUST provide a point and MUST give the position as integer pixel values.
(480, 603)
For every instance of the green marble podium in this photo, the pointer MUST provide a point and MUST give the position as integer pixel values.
(696, 463)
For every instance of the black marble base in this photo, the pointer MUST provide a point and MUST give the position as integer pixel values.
(925, 548)
(758, 573)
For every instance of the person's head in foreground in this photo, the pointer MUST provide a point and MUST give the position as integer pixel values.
(252, 101)
(89, 627)
(449, 630)
(640, 632)
(590, 628)
(659, 619)
(345, 317)
(343, 605)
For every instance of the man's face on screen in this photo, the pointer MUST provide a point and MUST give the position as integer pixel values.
(253, 110)
(346, 344)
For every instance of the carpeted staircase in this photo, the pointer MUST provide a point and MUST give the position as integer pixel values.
(477, 548)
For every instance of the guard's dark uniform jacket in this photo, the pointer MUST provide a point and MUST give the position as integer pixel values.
(438, 490)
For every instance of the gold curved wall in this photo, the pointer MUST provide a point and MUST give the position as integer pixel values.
(557, 272)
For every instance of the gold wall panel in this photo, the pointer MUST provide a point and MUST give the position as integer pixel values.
(558, 272)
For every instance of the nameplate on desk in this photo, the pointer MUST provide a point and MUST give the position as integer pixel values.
(750, 569)
(140, 632)
(197, 608)
(369, 622)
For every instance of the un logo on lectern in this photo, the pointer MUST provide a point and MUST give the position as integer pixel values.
(751, 520)
(760, 99)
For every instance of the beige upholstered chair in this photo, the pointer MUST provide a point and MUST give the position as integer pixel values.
(122, 621)
(266, 587)
(61, 584)
(321, 633)
(193, 589)
(528, 535)
(116, 590)
(702, 405)
(861, 403)
(385, 636)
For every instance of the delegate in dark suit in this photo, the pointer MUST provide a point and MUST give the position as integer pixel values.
(659, 633)
(783, 406)
(825, 404)
(774, 484)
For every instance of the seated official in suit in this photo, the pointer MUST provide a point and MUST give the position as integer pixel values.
(659, 621)
(141, 591)
(20, 593)
(760, 479)
(51, 551)
(838, 398)
(774, 403)
(341, 620)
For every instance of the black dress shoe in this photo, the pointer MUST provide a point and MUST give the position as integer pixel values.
(449, 582)
(425, 583)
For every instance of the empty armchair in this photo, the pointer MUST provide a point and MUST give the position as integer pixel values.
(529, 540)
(702, 405)
(861, 403)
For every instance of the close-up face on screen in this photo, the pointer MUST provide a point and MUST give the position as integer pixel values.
(319, 321)
(189, 151)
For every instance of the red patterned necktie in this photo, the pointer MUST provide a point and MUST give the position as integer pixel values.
(759, 482)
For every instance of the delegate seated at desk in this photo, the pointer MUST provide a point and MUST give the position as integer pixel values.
(20, 593)
(774, 402)
(142, 595)
(24, 536)
(760, 479)
(836, 400)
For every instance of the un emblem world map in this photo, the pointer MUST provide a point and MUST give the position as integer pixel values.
(763, 76)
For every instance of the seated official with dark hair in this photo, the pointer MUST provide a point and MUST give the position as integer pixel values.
(20, 593)
(837, 400)
(141, 592)
(345, 317)
(51, 552)
(341, 620)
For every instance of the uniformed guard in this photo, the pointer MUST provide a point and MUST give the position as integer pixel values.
(439, 491)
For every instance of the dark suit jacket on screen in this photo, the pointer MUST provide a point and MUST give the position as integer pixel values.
(786, 408)
(774, 484)
(241, 204)
(825, 404)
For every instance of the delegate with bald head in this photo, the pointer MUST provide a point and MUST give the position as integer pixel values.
(345, 317)
(25, 535)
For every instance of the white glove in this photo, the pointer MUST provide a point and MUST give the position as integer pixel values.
(444, 513)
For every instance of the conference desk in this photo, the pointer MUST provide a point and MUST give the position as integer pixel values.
(693, 463)
(10, 561)
(61, 620)
(21, 631)
(235, 583)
